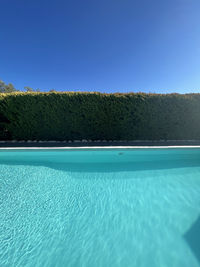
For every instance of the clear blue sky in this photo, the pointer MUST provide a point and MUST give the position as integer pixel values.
(104, 45)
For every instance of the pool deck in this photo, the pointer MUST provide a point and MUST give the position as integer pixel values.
(99, 144)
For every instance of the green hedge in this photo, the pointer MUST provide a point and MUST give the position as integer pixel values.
(96, 116)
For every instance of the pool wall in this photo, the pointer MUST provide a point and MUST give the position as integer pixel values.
(99, 144)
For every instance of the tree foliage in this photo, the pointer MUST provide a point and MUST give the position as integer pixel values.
(6, 88)
(9, 88)
(28, 89)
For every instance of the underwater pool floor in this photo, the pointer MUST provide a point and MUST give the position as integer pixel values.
(93, 208)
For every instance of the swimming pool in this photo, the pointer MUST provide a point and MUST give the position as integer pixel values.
(91, 208)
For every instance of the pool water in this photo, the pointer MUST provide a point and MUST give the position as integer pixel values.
(105, 208)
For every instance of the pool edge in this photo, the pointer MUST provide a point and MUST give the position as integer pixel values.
(97, 147)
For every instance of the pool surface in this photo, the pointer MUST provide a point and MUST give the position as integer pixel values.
(92, 208)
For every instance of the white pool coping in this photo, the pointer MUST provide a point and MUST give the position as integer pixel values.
(97, 147)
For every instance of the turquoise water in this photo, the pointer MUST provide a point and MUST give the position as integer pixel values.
(100, 208)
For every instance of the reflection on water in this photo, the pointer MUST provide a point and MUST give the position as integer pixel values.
(105, 161)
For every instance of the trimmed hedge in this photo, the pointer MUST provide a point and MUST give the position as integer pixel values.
(96, 116)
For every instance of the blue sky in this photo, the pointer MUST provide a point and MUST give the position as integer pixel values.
(104, 45)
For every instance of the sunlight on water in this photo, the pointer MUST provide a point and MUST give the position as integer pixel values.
(100, 208)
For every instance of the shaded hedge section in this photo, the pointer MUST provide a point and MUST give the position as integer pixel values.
(96, 116)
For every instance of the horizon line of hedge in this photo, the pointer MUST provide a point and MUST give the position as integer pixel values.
(92, 92)
(99, 116)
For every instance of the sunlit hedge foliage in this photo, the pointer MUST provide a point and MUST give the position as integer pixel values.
(96, 116)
